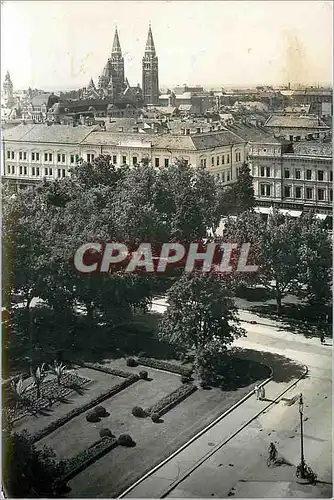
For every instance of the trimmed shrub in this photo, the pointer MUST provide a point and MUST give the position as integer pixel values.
(77, 411)
(143, 375)
(131, 362)
(125, 440)
(100, 411)
(137, 411)
(85, 458)
(174, 398)
(104, 433)
(155, 417)
(92, 417)
(164, 365)
(104, 369)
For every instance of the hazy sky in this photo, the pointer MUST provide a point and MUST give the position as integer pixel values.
(62, 44)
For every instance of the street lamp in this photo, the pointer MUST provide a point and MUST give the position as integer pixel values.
(301, 413)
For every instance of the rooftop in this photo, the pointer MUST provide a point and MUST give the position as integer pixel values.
(58, 134)
(313, 148)
(292, 121)
(253, 133)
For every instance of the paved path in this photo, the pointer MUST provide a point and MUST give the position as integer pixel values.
(238, 467)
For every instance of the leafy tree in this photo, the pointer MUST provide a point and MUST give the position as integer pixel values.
(244, 190)
(27, 471)
(201, 315)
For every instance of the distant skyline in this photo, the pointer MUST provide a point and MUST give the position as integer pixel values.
(62, 44)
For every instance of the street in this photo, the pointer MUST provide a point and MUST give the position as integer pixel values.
(238, 467)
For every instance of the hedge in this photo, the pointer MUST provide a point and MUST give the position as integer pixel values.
(104, 369)
(165, 365)
(85, 458)
(174, 398)
(77, 411)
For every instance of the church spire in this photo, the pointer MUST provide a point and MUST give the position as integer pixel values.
(116, 46)
(150, 48)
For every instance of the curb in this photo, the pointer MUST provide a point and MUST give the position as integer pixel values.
(220, 445)
(199, 434)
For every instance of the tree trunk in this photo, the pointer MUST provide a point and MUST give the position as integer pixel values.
(278, 301)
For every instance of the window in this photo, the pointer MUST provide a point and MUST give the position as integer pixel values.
(265, 189)
(262, 172)
(331, 176)
(114, 160)
(45, 157)
(32, 170)
(13, 169)
(186, 162)
(45, 171)
(90, 157)
(320, 175)
(37, 156)
(50, 171)
(223, 176)
(21, 170)
(223, 160)
(8, 169)
(72, 159)
(134, 160)
(25, 170)
(20, 155)
(217, 161)
(167, 162)
(286, 173)
(58, 158)
(298, 192)
(212, 161)
(24, 155)
(124, 160)
(50, 156)
(204, 162)
(321, 194)
(331, 195)
(32, 156)
(63, 172)
(13, 155)
(8, 155)
(228, 176)
(308, 174)
(227, 158)
(37, 171)
(59, 172)
(297, 173)
(156, 162)
(309, 193)
(287, 191)
(237, 156)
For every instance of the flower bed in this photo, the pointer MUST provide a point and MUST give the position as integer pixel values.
(164, 365)
(77, 411)
(174, 398)
(85, 458)
(104, 369)
(50, 391)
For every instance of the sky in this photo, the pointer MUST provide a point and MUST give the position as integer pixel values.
(62, 44)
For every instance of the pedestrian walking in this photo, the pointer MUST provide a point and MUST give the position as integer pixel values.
(257, 392)
(273, 453)
(322, 337)
(262, 394)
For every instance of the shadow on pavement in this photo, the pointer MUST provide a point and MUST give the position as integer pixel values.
(285, 369)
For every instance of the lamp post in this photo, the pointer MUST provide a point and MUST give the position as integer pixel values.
(301, 413)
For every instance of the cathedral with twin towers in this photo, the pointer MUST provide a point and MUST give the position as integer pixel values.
(114, 86)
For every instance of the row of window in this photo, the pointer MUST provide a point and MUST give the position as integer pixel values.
(48, 157)
(35, 171)
(266, 171)
(267, 190)
(224, 176)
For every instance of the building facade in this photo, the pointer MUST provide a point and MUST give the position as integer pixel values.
(34, 152)
(150, 71)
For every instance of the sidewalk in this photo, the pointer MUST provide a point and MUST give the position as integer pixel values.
(162, 479)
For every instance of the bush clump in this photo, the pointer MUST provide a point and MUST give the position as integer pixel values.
(100, 411)
(137, 411)
(131, 362)
(92, 417)
(143, 375)
(125, 440)
(185, 379)
(104, 433)
(155, 418)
